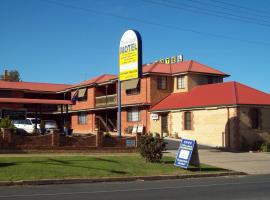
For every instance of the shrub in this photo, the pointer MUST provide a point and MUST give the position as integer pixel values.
(6, 123)
(265, 147)
(107, 135)
(151, 148)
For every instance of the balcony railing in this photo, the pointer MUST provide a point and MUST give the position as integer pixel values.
(108, 100)
(64, 108)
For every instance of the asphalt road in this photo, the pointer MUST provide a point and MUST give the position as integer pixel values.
(222, 188)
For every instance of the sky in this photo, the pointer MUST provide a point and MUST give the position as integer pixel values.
(69, 41)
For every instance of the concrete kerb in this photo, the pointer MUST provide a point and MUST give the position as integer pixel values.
(118, 179)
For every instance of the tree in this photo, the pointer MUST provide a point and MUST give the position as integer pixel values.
(12, 75)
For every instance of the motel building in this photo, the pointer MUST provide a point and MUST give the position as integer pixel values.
(182, 100)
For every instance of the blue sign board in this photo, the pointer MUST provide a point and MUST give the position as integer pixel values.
(187, 151)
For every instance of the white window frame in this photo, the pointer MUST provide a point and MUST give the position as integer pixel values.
(133, 114)
(181, 82)
(82, 118)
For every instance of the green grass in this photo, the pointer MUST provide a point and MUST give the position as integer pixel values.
(56, 167)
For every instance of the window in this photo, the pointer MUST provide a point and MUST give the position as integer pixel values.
(82, 94)
(255, 118)
(181, 82)
(162, 82)
(82, 118)
(134, 91)
(187, 121)
(133, 115)
(214, 79)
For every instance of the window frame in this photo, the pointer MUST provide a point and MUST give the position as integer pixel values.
(182, 85)
(134, 91)
(188, 121)
(130, 112)
(254, 119)
(82, 118)
(160, 80)
(84, 98)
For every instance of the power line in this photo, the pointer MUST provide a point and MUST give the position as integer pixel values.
(234, 9)
(153, 23)
(197, 10)
(241, 7)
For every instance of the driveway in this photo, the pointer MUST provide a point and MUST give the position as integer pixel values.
(250, 163)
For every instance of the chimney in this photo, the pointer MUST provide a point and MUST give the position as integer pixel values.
(6, 75)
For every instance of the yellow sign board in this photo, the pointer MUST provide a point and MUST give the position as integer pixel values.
(129, 56)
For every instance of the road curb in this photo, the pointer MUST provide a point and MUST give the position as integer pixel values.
(118, 179)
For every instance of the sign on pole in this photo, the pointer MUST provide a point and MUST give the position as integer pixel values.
(130, 56)
(130, 64)
(187, 154)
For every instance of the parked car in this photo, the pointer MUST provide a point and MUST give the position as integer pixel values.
(27, 124)
(50, 125)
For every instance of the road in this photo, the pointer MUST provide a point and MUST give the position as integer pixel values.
(222, 188)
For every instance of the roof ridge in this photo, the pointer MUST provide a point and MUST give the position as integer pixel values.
(190, 65)
(29, 82)
(235, 92)
(154, 66)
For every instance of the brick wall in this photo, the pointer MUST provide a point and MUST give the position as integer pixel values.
(83, 128)
(138, 98)
(245, 129)
(144, 120)
(9, 140)
(89, 103)
(156, 95)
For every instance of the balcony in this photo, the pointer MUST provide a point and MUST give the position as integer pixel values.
(64, 108)
(109, 100)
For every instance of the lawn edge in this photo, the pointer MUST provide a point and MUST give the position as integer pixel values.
(117, 179)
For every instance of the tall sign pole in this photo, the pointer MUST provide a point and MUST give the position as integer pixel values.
(130, 63)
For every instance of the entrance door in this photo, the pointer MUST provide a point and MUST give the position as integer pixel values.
(164, 125)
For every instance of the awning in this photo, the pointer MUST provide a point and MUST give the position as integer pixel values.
(35, 101)
(82, 92)
(130, 84)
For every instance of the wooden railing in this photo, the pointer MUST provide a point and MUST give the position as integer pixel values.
(108, 100)
(64, 108)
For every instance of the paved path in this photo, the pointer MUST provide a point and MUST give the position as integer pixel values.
(222, 188)
(251, 163)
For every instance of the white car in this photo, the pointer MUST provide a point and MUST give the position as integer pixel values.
(50, 125)
(27, 124)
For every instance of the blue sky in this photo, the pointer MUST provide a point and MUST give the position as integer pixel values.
(68, 41)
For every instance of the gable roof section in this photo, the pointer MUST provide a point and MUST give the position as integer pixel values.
(33, 86)
(98, 79)
(229, 93)
(181, 67)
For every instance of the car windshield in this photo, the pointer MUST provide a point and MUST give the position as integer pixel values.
(34, 121)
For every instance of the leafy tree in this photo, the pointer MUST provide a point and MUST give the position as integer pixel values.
(12, 75)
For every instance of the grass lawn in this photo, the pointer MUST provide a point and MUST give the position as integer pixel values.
(56, 167)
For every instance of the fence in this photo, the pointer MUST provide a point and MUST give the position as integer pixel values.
(54, 140)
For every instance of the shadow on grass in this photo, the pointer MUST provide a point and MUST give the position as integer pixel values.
(117, 172)
(6, 164)
(74, 163)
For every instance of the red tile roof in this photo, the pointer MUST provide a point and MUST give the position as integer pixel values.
(181, 67)
(33, 86)
(35, 101)
(98, 79)
(229, 93)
